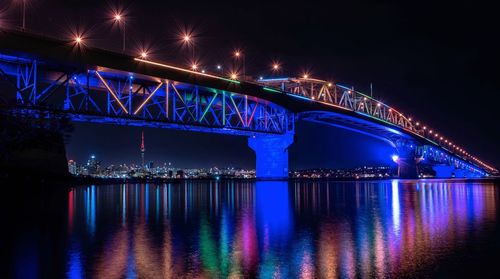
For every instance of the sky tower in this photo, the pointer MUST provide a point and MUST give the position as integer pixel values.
(143, 148)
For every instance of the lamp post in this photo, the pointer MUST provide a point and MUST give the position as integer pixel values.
(120, 19)
(24, 15)
(237, 55)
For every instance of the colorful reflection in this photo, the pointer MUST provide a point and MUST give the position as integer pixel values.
(271, 229)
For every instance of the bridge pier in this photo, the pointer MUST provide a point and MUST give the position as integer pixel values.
(407, 168)
(271, 152)
(407, 160)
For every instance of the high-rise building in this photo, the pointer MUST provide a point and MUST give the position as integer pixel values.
(93, 165)
(72, 167)
(143, 149)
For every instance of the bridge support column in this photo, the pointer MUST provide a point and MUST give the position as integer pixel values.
(407, 160)
(271, 155)
(407, 168)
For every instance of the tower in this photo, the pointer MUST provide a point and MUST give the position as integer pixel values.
(143, 148)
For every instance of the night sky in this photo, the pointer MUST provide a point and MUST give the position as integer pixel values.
(435, 62)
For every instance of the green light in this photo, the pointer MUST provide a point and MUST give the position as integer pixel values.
(208, 107)
(271, 89)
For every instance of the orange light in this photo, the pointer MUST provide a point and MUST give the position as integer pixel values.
(186, 38)
(194, 66)
(237, 53)
(276, 66)
(329, 84)
(234, 76)
(306, 76)
(144, 54)
(118, 17)
(78, 40)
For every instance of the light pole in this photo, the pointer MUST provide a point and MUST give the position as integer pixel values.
(237, 55)
(24, 15)
(120, 19)
(188, 40)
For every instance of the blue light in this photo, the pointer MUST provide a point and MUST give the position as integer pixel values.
(275, 79)
(300, 97)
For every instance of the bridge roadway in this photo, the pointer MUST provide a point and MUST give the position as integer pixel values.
(277, 101)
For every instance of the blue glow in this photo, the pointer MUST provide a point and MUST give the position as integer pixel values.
(300, 97)
(396, 207)
(274, 215)
(274, 79)
(75, 269)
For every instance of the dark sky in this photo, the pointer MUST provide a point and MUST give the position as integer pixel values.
(437, 62)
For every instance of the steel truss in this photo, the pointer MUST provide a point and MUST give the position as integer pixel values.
(106, 95)
(348, 99)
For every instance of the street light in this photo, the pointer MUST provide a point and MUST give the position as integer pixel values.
(237, 54)
(118, 18)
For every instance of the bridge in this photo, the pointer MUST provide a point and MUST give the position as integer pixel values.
(45, 77)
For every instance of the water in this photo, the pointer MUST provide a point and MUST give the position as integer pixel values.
(432, 228)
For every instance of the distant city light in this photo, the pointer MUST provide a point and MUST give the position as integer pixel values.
(144, 54)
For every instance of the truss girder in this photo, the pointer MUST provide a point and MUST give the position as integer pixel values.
(111, 94)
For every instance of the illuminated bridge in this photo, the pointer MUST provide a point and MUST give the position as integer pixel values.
(45, 77)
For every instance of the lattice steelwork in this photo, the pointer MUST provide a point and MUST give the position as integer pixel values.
(106, 95)
(348, 99)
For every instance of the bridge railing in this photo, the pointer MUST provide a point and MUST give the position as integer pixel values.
(346, 98)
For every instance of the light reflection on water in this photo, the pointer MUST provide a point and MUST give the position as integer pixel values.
(271, 229)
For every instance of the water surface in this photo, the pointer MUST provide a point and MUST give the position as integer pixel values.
(215, 229)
